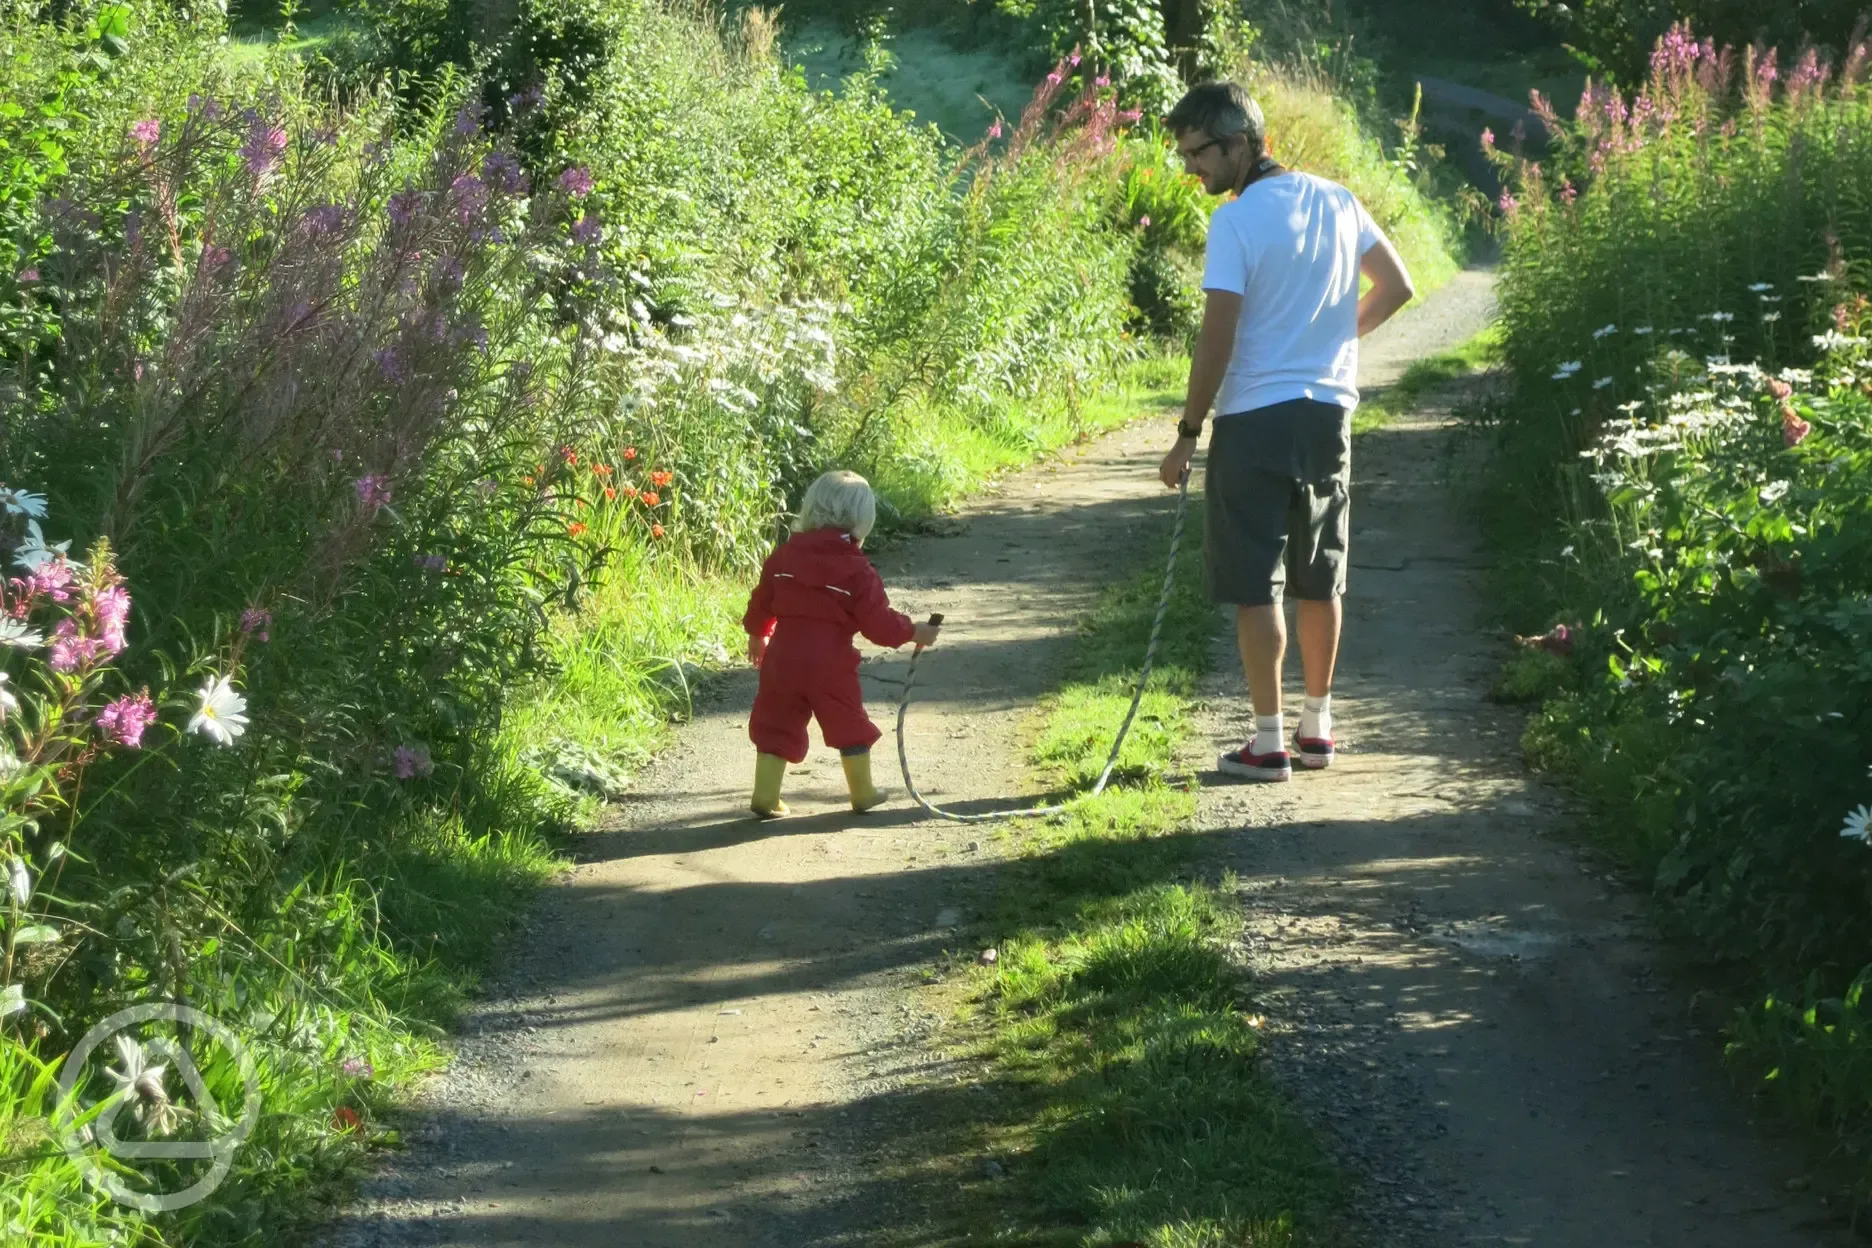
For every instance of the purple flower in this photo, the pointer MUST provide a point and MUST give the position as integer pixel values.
(587, 229)
(1129, 115)
(257, 622)
(470, 197)
(28, 275)
(467, 123)
(403, 205)
(526, 101)
(504, 173)
(390, 363)
(373, 491)
(146, 132)
(431, 563)
(356, 1068)
(576, 181)
(207, 106)
(213, 259)
(263, 147)
(325, 219)
(413, 761)
(124, 721)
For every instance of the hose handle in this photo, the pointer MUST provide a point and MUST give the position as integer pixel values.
(935, 618)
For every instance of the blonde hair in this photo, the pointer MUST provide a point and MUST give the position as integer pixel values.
(838, 500)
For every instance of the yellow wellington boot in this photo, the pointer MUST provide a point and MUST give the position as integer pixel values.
(769, 772)
(864, 794)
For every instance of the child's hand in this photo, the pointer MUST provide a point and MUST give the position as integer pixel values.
(925, 634)
(756, 649)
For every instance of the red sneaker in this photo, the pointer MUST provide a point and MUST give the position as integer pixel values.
(1271, 767)
(1315, 752)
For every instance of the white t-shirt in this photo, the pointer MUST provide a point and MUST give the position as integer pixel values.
(1290, 247)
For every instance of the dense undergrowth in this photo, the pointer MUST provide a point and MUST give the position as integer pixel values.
(1682, 478)
(376, 464)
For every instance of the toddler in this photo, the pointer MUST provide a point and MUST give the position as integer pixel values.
(815, 592)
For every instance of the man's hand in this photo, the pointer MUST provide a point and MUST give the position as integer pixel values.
(925, 634)
(756, 649)
(1176, 463)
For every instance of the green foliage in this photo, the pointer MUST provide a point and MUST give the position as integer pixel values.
(444, 424)
(1615, 36)
(1711, 515)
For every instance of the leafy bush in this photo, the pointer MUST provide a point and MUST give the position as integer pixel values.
(1713, 512)
(429, 432)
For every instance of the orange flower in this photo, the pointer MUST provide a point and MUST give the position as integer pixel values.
(656, 530)
(661, 479)
(528, 480)
(630, 491)
(630, 452)
(576, 528)
(569, 455)
(650, 498)
(601, 470)
(344, 1118)
(610, 494)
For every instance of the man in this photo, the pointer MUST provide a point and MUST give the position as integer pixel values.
(1277, 359)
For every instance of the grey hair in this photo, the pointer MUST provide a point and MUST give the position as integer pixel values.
(838, 500)
(1221, 110)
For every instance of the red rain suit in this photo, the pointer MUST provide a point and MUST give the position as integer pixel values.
(815, 592)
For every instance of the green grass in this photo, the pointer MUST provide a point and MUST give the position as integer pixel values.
(1378, 408)
(1118, 1034)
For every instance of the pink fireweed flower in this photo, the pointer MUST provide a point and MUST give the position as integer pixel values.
(994, 131)
(1794, 430)
(1073, 60)
(576, 181)
(52, 578)
(1130, 115)
(1144, 222)
(373, 491)
(412, 761)
(1779, 389)
(28, 275)
(72, 650)
(257, 623)
(111, 609)
(1488, 139)
(1055, 78)
(124, 721)
(1103, 80)
(146, 132)
(1508, 204)
(1568, 192)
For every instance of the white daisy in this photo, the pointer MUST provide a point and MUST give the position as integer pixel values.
(1602, 383)
(23, 503)
(1858, 824)
(34, 551)
(1758, 287)
(223, 713)
(140, 1084)
(8, 703)
(20, 880)
(1566, 370)
(1772, 491)
(1603, 331)
(15, 633)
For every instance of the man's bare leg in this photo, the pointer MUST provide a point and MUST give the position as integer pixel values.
(1261, 632)
(1317, 621)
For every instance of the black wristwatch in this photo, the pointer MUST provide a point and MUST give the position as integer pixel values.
(1185, 431)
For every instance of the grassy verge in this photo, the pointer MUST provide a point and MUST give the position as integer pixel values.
(1378, 408)
(1115, 1030)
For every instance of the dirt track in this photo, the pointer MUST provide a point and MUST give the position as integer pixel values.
(702, 1040)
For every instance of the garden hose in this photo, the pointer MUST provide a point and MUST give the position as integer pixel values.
(1111, 760)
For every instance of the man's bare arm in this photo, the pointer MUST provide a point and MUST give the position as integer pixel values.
(1390, 289)
(1214, 344)
(1208, 366)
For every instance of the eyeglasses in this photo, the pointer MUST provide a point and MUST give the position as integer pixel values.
(1190, 155)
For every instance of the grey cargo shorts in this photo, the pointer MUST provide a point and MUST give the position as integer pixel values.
(1276, 503)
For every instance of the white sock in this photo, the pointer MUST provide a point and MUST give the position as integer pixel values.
(1316, 719)
(1269, 729)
